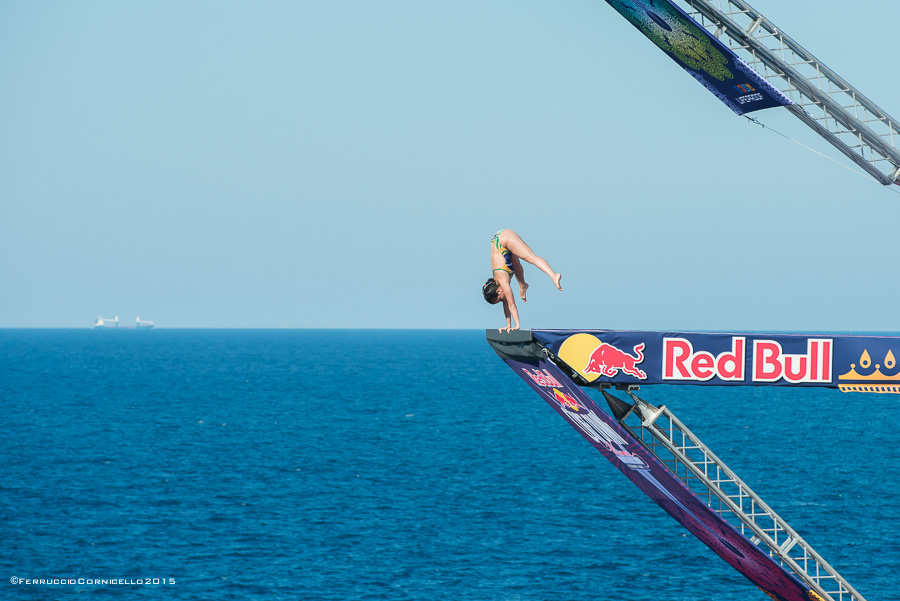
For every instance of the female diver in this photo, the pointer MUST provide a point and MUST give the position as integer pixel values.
(506, 250)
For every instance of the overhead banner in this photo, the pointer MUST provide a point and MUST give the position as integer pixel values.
(851, 363)
(707, 59)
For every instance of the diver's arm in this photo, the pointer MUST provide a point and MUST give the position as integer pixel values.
(509, 308)
(505, 312)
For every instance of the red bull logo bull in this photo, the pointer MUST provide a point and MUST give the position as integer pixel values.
(567, 402)
(607, 360)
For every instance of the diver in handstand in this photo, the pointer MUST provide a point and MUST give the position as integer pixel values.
(506, 250)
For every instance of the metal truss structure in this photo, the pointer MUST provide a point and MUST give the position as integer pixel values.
(823, 100)
(709, 478)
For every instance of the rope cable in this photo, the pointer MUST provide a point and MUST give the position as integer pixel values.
(860, 173)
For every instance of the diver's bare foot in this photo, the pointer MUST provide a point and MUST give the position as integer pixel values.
(556, 280)
(522, 290)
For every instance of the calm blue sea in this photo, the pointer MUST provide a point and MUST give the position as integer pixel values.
(344, 465)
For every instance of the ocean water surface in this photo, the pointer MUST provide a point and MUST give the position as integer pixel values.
(344, 465)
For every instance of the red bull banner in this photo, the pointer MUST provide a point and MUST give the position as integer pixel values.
(850, 363)
(648, 473)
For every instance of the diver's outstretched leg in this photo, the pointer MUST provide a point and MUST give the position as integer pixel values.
(518, 247)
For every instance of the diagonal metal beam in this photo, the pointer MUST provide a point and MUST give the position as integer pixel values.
(849, 128)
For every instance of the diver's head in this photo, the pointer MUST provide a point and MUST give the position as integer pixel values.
(491, 291)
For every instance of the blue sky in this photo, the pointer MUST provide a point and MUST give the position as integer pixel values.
(345, 164)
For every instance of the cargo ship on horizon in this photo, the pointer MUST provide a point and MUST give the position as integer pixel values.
(102, 323)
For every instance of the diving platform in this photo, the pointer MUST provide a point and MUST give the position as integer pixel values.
(667, 461)
(617, 358)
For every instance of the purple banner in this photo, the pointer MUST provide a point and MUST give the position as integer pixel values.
(624, 451)
(851, 363)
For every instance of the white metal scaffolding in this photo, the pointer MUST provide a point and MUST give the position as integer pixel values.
(823, 100)
(724, 492)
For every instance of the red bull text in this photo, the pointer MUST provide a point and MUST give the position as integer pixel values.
(542, 377)
(769, 362)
